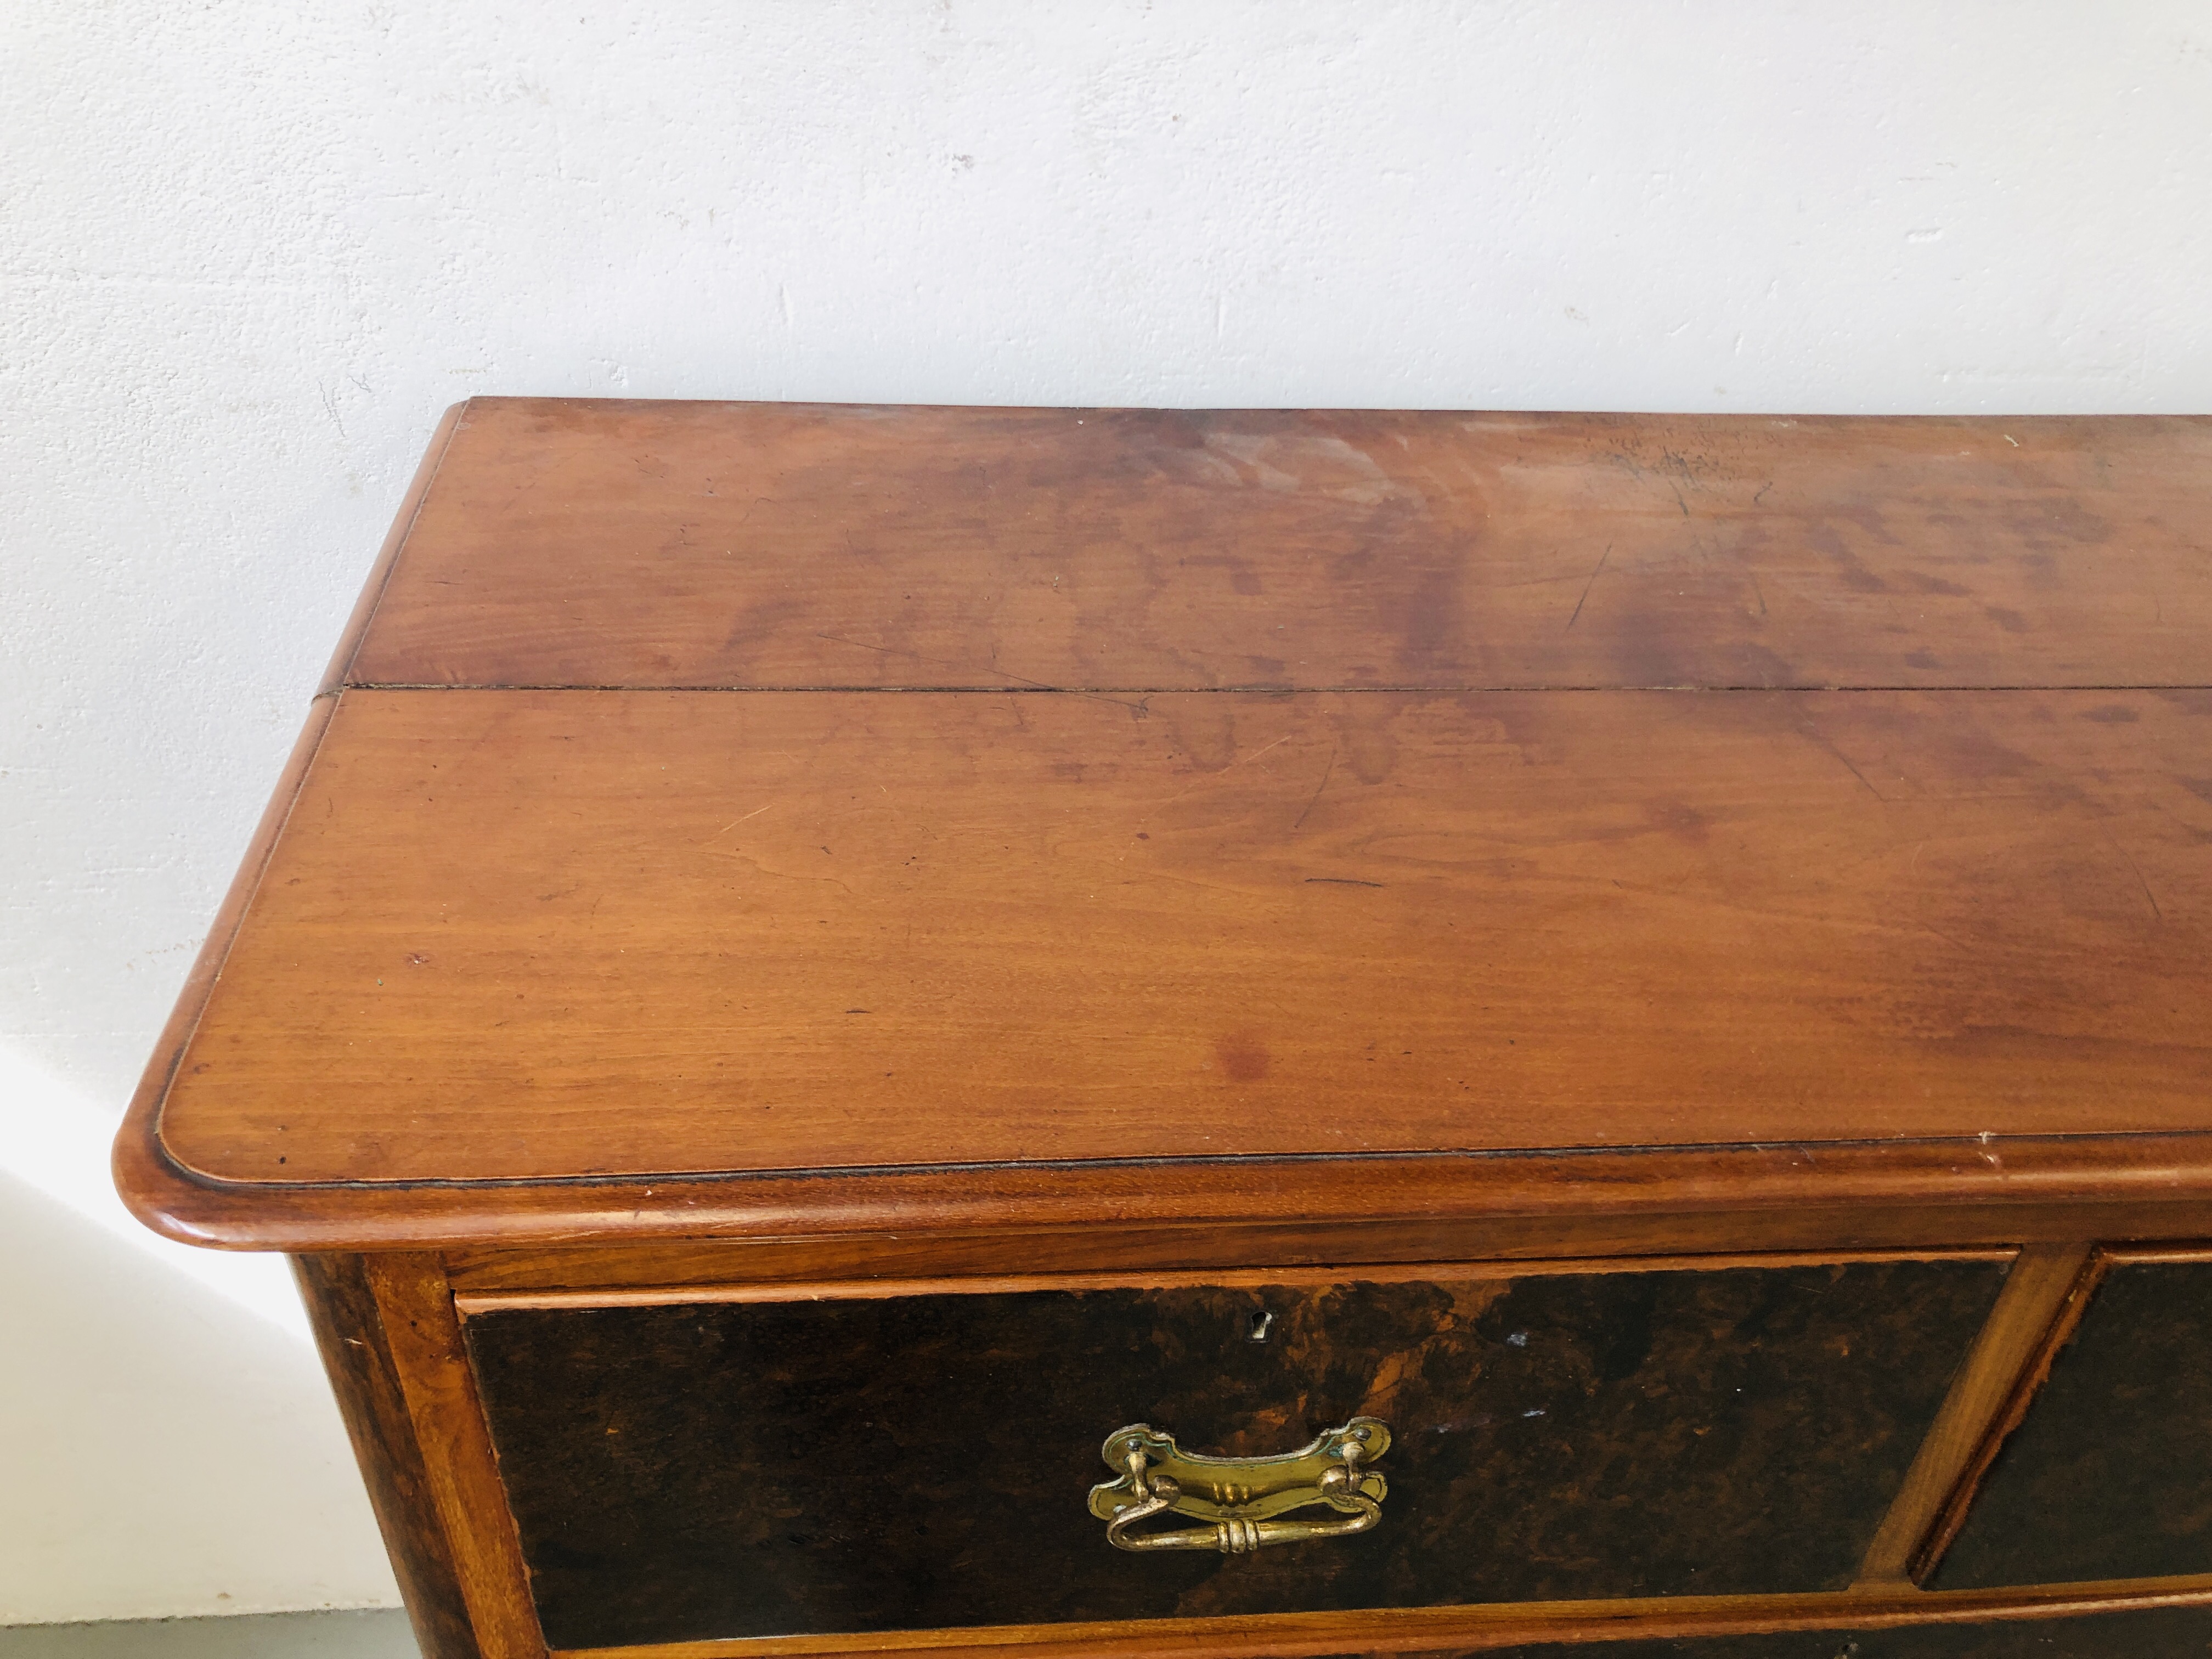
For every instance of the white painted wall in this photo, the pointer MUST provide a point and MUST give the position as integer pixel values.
(251, 250)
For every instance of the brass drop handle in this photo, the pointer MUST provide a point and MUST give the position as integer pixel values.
(1240, 1495)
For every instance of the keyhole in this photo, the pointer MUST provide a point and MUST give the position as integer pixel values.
(1257, 1330)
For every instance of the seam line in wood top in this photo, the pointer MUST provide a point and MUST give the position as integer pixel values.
(1034, 690)
(470, 1303)
(1453, 1629)
(336, 677)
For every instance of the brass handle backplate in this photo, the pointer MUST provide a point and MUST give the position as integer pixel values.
(1240, 1495)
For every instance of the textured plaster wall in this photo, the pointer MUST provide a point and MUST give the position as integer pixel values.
(249, 252)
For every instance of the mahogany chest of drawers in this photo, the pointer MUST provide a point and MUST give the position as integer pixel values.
(1105, 1032)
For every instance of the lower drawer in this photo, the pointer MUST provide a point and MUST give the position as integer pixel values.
(703, 1467)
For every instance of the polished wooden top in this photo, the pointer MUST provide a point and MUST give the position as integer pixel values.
(797, 546)
(732, 804)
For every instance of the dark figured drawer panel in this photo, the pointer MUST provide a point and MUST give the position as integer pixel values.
(2155, 1633)
(733, 1468)
(2109, 1475)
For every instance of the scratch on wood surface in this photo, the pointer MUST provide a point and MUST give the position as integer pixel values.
(734, 823)
(1822, 739)
(1232, 765)
(759, 869)
(1589, 585)
(2157, 914)
(1318, 788)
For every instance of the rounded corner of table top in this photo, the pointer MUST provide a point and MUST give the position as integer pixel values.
(168, 1199)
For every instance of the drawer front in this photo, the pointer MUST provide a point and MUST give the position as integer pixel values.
(724, 1469)
(2110, 1474)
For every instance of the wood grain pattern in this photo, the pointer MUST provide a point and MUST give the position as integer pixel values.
(577, 542)
(713, 1468)
(815, 931)
(2047, 1611)
(2037, 1290)
(462, 1494)
(356, 1354)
